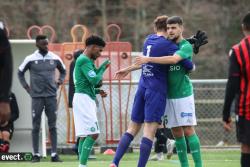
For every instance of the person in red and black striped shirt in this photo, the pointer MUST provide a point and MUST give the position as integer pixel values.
(238, 86)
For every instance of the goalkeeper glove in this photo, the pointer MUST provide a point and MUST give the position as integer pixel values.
(202, 39)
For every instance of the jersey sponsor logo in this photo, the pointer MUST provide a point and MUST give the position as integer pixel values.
(185, 114)
(146, 70)
(36, 62)
(91, 74)
(174, 68)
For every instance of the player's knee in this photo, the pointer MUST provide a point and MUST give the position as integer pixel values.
(177, 132)
(134, 128)
(132, 131)
(6, 134)
(189, 131)
(149, 134)
(95, 136)
(149, 131)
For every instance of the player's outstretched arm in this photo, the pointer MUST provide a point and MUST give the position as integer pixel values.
(158, 60)
(125, 71)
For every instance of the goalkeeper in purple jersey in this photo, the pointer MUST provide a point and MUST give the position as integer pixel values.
(150, 99)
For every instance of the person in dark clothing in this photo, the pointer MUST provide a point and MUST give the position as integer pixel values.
(5, 74)
(71, 91)
(6, 130)
(238, 86)
(164, 143)
(42, 89)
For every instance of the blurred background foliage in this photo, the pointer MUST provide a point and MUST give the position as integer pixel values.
(221, 19)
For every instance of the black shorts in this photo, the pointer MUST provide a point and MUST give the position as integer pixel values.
(242, 130)
(9, 128)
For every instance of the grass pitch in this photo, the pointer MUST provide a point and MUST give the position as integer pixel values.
(215, 158)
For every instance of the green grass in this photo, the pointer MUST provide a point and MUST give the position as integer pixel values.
(210, 159)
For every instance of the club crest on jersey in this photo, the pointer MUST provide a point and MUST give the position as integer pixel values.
(51, 62)
(91, 74)
(92, 129)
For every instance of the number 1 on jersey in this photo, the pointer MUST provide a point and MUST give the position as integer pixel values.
(148, 50)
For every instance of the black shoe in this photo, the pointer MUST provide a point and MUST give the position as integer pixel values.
(36, 158)
(56, 159)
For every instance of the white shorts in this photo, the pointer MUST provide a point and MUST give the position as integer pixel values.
(180, 112)
(85, 119)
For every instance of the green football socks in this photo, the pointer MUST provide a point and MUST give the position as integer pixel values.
(86, 148)
(194, 144)
(81, 141)
(181, 148)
